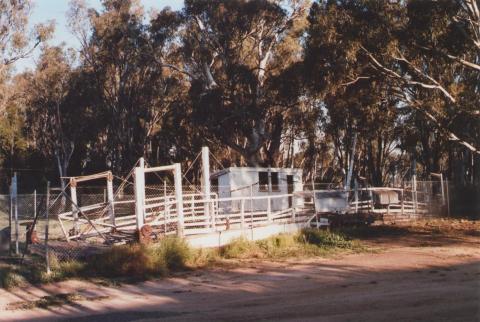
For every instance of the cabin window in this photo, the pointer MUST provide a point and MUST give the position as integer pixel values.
(263, 181)
(274, 178)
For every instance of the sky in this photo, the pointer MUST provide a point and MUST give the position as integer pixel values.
(45, 10)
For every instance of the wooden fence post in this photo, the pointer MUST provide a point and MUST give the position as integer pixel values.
(206, 187)
(269, 209)
(47, 209)
(356, 195)
(139, 179)
(179, 199)
(73, 196)
(242, 214)
(403, 201)
(111, 210)
(15, 210)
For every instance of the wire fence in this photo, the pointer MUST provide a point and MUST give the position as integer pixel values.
(230, 207)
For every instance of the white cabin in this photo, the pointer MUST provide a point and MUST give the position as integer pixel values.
(255, 182)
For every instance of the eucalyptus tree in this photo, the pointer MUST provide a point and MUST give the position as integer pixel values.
(16, 41)
(234, 55)
(51, 121)
(117, 54)
(424, 52)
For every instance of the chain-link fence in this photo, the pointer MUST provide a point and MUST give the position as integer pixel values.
(225, 210)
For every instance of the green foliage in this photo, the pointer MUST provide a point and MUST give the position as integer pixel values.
(309, 242)
(173, 252)
(325, 238)
(251, 79)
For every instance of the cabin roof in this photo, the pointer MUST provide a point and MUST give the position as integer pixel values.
(254, 170)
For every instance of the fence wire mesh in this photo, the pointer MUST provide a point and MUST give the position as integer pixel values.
(163, 212)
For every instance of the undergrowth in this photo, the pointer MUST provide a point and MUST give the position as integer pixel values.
(139, 262)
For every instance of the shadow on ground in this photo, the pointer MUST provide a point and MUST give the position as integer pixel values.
(357, 288)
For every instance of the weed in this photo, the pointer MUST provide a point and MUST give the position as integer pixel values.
(326, 239)
(125, 261)
(10, 278)
(173, 252)
(241, 248)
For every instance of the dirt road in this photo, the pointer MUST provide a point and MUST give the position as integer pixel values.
(406, 281)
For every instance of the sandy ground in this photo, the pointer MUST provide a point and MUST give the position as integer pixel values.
(413, 278)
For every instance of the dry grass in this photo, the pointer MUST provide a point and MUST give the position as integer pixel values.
(309, 242)
(138, 262)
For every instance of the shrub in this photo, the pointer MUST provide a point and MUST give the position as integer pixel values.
(140, 261)
(172, 252)
(325, 238)
(126, 261)
(71, 268)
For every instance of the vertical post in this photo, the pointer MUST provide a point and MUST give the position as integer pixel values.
(73, 196)
(448, 197)
(269, 206)
(356, 195)
(165, 217)
(443, 191)
(372, 202)
(192, 205)
(141, 163)
(402, 195)
(139, 179)
(111, 210)
(35, 203)
(414, 192)
(15, 210)
(294, 214)
(414, 183)
(206, 187)
(269, 209)
(242, 214)
(47, 208)
(179, 199)
(251, 206)
(10, 220)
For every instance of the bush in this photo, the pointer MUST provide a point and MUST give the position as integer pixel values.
(325, 238)
(68, 269)
(140, 261)
(172, 252)
(126, 261)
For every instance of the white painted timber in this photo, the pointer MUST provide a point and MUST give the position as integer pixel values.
(222, 238)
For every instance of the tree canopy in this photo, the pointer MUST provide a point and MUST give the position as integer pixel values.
(290, 83)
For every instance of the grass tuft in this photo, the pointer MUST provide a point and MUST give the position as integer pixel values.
(10, 278)
(326, 239)
(133, 261)
(241, 248)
